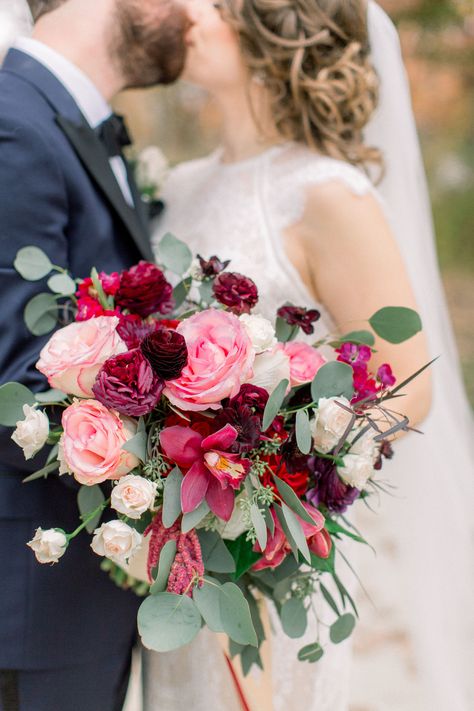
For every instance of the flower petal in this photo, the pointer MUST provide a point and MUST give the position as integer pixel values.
(221, 501)
(222, 439)
(320, 544)
(194, 487)
(181, 444)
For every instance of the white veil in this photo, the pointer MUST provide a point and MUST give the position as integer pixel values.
(435, 473)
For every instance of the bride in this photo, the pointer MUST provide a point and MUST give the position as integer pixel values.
(288, 199)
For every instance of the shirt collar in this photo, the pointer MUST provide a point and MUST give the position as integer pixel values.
(84, 92)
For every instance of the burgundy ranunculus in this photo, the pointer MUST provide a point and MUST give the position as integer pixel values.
(247, 424)
(167, 353)
(128, 384)
(251, 396)
(213, 266)
(237, 292)
(298, 316)
(144, 290)
(133, 329)
(329, 488)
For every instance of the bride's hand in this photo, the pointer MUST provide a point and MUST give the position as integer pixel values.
(355, 268)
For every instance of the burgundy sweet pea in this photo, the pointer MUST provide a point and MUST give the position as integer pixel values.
(144, 290)
(213, 266)
(237, 292)
(127, 383)
(298, 316)
(213, 474)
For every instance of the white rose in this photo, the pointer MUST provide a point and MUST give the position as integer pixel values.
(330, 423)
(152, 168)
(357, 470)
(133, 495)
(32, 432)
(116, 540)
(270, 368)
(49, 546)
(365, 445)
(260, 331)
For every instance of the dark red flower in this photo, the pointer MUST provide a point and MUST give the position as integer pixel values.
(144, 290)
(298, 316)
(172, 323)
(298, 480)
(213, 266)
(245, 422)
(127, 384)
(167, 353)
(386, 452)
(237, 292)
(133, 329)
(329, 489)
(291, 455)
(251, 396)
(88, 308)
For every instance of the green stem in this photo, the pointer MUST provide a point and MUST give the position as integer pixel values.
(88, 519)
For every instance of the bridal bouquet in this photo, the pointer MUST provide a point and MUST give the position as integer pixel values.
(222, 448)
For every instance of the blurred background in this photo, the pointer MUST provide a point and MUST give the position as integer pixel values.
(438, 43)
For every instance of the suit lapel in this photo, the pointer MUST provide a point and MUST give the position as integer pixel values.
(94, 158)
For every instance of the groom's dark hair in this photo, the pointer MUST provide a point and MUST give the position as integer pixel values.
(41, 7)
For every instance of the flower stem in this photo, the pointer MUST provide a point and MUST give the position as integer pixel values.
(90, 517)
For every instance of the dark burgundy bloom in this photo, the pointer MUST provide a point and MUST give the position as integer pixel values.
(237, 292)
(128, 384)
(293, 459)
(298, 316)
(167, 353)
(385, 376)
(144, 290)
(329, 488)
(298, 480)
(247, 424)
(133, 329)
(251, 396)
(386, 451)
(213, 266)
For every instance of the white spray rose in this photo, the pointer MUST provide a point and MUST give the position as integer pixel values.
(330, 423)
(152, 169)
(32, 432)
(270, 368)
(116, 540)
(357, 470)
(133, 495)
(49, 546)
(260, 331)
(365, 445)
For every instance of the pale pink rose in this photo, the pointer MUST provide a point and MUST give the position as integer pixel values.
(305, 361)
(220, 359)
(74, 355)
(91, 446)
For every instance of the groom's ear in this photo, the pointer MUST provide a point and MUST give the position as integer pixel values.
(41, 7)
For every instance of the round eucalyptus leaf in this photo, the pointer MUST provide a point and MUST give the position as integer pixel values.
(342, 628)
(167, 621)
(311, 653)
(235, 615)
(89, 498)
(32, 263)
(294, 619)
(332, 380)
(62, 284)
(174, 254)
(41, 314)
(207, 600)
(396, 324)
(12, 398)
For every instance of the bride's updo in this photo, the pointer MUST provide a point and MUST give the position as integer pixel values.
(313, 56)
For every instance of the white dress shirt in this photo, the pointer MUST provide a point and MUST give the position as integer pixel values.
(84, 92)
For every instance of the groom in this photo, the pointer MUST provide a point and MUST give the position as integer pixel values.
(66, 632)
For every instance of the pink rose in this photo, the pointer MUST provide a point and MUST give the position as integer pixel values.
(220, 359)
(91, 446)
(305, 361)
(74, 355)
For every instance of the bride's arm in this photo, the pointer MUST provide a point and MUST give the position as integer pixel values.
(355, 268)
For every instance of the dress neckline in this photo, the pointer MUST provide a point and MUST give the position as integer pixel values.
(251, 160)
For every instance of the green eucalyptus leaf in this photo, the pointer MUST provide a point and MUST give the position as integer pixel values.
(304, 439)
(42, 473)
(62, 284)
(294, 618)
(284, 331)
(215, 555)
(137, 445)
(235, 615)
(274, 404)
(49, 396)
(172, 497)
(311, 653)
(329, 599)
(248, 657)
(32, 263)
(296, 531)
(167, 621)
(342, 628)
(174, 254)
(90, 498)
(206, 291)
(260, 526)
(181, 291)
(207, 600)
(193, 518)
(12, 398)
(365, 338)
(396, 324)
(332, 380)
(291, 500)
(166, 559)
(41, 314)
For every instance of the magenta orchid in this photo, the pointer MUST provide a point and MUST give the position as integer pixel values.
(213, 473)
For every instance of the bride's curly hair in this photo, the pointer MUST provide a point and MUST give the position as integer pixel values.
(314, 57)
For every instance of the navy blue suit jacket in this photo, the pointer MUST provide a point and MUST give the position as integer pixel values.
(58, 192)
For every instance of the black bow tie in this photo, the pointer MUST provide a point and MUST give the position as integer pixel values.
(114, 135)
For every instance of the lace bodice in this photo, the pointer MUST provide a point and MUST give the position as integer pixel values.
(240, 211)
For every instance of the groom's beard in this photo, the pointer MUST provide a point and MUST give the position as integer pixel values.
(149, 41)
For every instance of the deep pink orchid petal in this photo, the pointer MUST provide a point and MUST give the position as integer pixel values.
(274, 562)
(222, 439)
(194, 487)
(318, 518)
(181, 444)
(221, 501)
